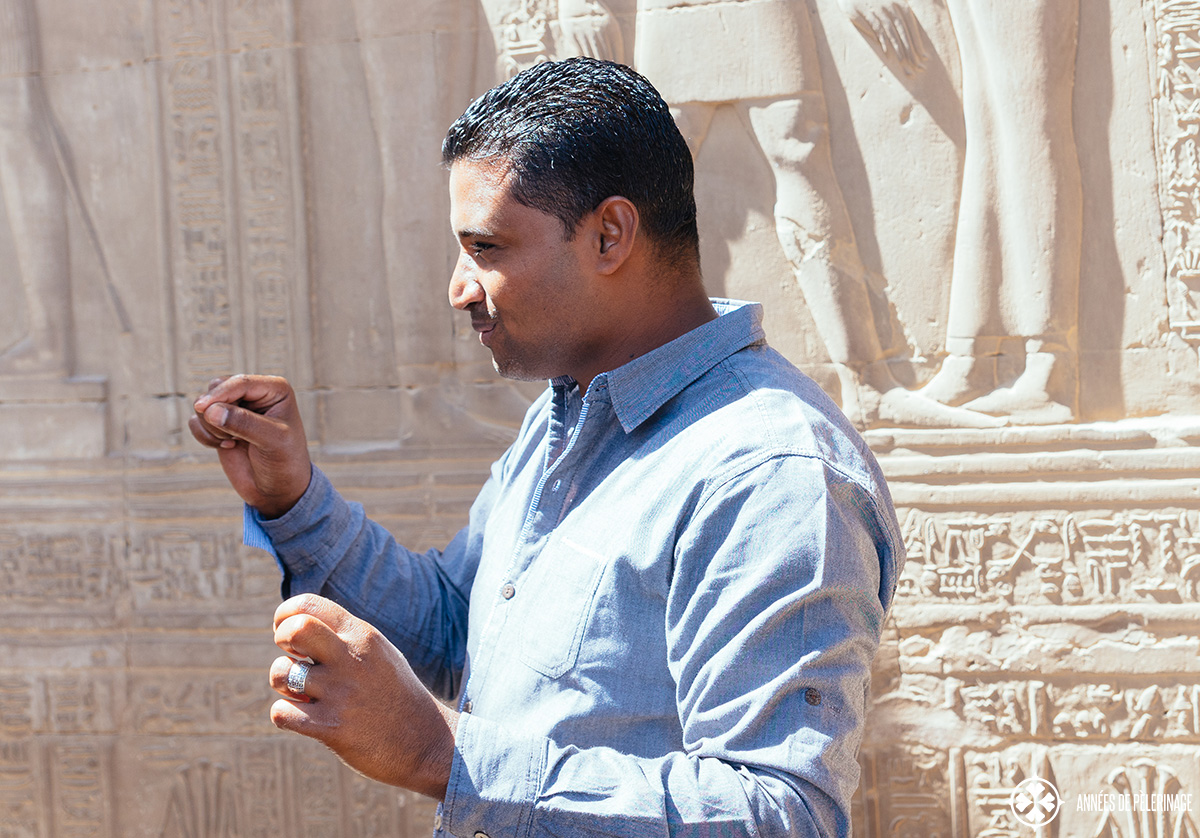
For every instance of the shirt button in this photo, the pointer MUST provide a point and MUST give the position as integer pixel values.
(469, 706)
(437, 823)
(481, 835)
(555, 487)
(813, 696)
(508, 591)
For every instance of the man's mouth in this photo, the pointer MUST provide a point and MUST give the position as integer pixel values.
(484, 327)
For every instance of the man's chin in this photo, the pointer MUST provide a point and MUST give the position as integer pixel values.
(517, 371)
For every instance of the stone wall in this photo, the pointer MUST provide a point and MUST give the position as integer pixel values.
(1004, 205)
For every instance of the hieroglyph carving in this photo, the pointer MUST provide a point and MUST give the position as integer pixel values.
(264, 789)
(177, 567)
(19, 786)
(59, 569)
(990, 778)
(1176, 96)
(198, 193)
(66, 784)
(1066, 710)
(1144, 778)
(202, 803)
(520, 29)
(204, 703)
(260, 780)
(263, 98)
(914, 791)
(202, 87)
(80, 777)
(528, 32)
(903, 794)
(1045, 558)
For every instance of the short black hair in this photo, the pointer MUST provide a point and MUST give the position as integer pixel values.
(578, 131)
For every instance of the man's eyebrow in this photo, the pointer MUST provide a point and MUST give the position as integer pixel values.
(474, 233)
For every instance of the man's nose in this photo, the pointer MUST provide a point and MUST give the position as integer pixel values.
(464, 287)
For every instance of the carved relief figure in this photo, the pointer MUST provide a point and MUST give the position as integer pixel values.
(527, 32)
(34, 195)
(777, 91)
(1017, 250)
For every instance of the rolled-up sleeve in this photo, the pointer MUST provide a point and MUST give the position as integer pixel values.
(327, 545)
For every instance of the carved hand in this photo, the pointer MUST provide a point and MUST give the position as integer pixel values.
(254, 424)
(892, 28)
(589, 28)
(361, 698)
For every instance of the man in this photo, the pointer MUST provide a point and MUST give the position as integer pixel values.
(661, 616)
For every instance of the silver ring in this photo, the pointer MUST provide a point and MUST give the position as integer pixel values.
(298, 676)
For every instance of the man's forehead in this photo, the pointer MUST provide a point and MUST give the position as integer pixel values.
(478, 190)
(489, 172)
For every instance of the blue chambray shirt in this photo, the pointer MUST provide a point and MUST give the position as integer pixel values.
(661, 616)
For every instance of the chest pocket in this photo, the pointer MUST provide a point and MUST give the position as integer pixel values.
(560, 596)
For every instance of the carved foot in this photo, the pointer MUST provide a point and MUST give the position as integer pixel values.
(959, 379)
(1023, 408)
(901, 408)
(1028, 400)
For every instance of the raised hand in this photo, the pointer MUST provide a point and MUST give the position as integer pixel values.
(360, 698)
(254, 424)
(891, 28)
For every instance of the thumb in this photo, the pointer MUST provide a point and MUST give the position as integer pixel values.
(263, 432)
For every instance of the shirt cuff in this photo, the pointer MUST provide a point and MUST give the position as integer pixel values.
(292, 530)
(494, 779)
(253, 534)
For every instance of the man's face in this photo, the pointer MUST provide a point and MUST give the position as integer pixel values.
(517, 275)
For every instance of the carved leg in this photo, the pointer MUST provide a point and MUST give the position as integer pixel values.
(815, 232)
(1016, 268)
(35, 199)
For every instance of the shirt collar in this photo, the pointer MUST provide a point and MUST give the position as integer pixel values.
(646, 383)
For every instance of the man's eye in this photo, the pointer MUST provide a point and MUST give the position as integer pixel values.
(479, 247)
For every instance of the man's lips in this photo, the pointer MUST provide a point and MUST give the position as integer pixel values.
(484, 327)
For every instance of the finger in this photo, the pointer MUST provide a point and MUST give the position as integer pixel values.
(903, 37)
(256, 392)
(281, 668)
(915, 41)
(872, 31)
(864, 29)
(229, 388)
(307, 719)
(887, 36)
(263, 432)
(325, 610)
(306, 636)
(207, 435)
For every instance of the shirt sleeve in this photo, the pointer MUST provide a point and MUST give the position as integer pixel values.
(327, 545)
(776, 604)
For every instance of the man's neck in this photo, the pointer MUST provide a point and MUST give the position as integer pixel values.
(671, 315)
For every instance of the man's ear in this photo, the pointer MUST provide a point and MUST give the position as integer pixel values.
(617, 225)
